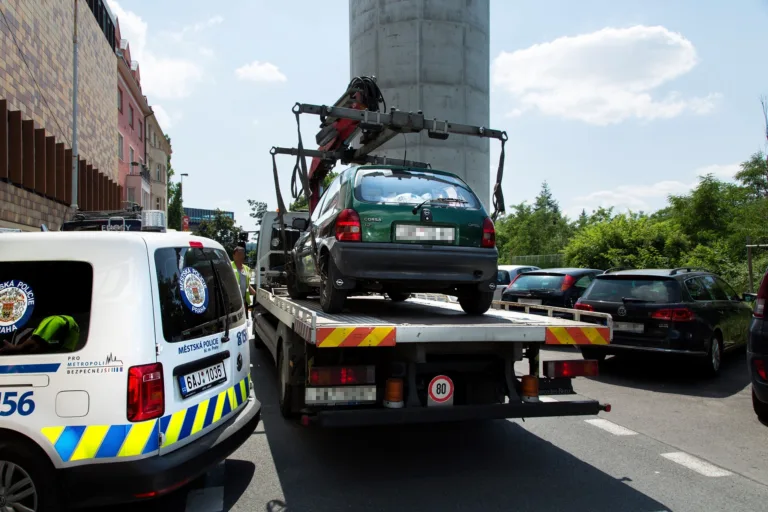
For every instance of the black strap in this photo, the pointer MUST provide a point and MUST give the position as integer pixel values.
(498, 194)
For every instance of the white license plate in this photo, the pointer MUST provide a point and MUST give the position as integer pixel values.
(413, 233)
(628, 327)
(201, 380)
(530, 302)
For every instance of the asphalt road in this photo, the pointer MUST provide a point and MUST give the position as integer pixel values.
(674, 441)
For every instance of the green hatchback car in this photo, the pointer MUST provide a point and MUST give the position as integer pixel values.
(398, 231)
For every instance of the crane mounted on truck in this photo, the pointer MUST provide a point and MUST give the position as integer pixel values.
(390, 362)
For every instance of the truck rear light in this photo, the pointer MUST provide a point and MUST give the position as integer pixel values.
(146, 392)
(489, 234)
(341, 375)
(570, 369)
(393, 394)
(674, 315)
(530, 388)
(760, 369)
(583, 307)
(348, 227)
(568, 281)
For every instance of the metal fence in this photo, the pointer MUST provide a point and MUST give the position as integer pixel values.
(539, 260)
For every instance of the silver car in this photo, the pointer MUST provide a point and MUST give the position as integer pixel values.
(506, 274)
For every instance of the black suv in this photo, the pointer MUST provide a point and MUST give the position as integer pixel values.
(674, 311)
(757, 353)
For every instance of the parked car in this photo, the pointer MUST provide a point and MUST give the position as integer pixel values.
(397, 231)
(506, 274)
(683, 311)
(560, 287)
(757, 352)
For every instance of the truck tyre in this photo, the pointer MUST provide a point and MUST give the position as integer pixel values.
(331, 298)
(476, 302)
(286, 390)
(398, 296)
(761, 408)
(27, 481)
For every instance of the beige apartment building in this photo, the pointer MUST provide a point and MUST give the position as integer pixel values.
(158, 152)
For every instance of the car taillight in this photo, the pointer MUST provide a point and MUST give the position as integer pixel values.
(489, 234)
(674, 315)
(341, 375)
(146, 393)
(567, 283)
(348, 227)
(583, 307)
(762, 296)
(570, 369)
(760, 369)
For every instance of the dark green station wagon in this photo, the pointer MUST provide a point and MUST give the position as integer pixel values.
(397, 231)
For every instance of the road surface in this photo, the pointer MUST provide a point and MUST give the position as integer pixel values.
(674, 441)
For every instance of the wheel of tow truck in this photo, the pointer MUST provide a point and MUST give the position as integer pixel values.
(711, 365)
(476, 302)
(398, 296)
(26, 480)
(286, 390)
(761, 408)
(590, 353)
(331, 298)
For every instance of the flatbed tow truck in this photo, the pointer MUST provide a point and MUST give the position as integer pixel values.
(421, 360)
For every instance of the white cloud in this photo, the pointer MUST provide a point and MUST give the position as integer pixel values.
(162, 77)
(197, 27)
(162, 117)
(255, 122)
(260, 72)
(602, 78)
(646, 197)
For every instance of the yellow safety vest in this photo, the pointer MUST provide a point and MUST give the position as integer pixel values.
(245, 274)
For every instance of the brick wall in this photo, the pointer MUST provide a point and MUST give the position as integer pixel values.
(21, 209)
(43, 29)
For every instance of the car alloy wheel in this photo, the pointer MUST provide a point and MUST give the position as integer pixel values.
(716, 356)
(17, 490)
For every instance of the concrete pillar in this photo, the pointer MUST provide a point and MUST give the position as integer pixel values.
(434, 56)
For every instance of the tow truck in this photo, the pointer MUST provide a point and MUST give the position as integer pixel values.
(421, 360)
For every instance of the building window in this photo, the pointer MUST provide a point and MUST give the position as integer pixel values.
(158, 173)
(130, 114)
(119, 99)
(158, 203)
(120, 147)
(131, 195)
(141, 129)
(131, 160)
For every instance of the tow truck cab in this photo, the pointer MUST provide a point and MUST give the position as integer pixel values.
(271, 252)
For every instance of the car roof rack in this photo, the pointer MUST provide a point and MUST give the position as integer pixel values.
(116, 220)
(680, 270)
(617, 269)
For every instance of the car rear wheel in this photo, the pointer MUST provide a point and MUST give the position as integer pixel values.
(761, 408)
(714, 359)
(476, 302)
(398, 296)
(295, 290)
(331, 298)
(26, 481)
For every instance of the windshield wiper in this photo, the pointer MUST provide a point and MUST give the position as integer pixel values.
(450, 200)
(220, 297)
(416, 208)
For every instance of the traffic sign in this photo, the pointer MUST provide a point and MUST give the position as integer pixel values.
(185, 223)
(440, 391)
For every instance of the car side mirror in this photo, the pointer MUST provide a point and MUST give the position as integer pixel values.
(300, 224)
(749, 297)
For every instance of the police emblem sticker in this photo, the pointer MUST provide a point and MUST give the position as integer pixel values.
(17, 301)
(194, 291)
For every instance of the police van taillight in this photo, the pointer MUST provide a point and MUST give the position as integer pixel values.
(146, 393)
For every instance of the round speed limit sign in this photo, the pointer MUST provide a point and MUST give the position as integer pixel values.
(441, 390)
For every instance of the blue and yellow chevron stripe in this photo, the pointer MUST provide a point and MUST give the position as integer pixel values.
(81, 442)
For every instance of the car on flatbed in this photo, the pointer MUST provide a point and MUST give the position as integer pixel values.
(397, 230)
(681, 311)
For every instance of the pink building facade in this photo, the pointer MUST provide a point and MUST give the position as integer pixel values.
(133, 111)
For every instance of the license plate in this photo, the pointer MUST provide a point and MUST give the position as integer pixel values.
(628, 327)
(530, 302)
(200, 380)
(411, 233)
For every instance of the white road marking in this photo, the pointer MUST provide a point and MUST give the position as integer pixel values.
(547, 399)
(697, 465)
(210, 499)
(611, 427)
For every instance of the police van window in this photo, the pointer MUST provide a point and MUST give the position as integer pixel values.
(45, 306)
(197, 290)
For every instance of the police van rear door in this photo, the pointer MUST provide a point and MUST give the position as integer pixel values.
(201, 337)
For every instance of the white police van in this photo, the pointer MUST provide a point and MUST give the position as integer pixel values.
(124, 366)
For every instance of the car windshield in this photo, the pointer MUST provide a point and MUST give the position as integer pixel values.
(537, 282)
(193, 309)
(393, 186)
(640, 289)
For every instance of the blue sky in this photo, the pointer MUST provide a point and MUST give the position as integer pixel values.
(613, 103)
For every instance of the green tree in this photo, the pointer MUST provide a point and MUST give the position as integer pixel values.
(258, 209)
(174, 196)
(754, 175)
(301, 202)
(222, 229)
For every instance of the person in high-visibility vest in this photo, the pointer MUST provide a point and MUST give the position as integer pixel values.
(58, 333)
(243, 275)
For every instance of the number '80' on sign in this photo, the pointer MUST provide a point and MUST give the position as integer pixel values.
(441, 389)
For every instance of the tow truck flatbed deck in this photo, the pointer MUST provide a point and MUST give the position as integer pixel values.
(376, 321)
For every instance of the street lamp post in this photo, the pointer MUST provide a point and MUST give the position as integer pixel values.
(181, 198)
